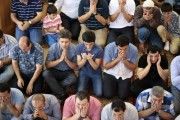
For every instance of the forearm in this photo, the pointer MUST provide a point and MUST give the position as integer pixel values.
(143, 73)
(36, 75)
(101, 19)
(14, 18)
(72, 65)
(163, 73)
(145, 113)
(81, 63)
(37, 18)
(111, 64)
(93, 64)
(50, 64)
(129, 65)
(114, 16)
(127, 16)
(6, 61)
(165, 115)
(13, 110)
(16, 70)
(85, 17)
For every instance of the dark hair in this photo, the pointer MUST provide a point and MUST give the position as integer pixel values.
(64, 33)
(38, 118)
(82, 95)
(153, 49)
(88, 36)
(118, 105)
(1, 33)
(166, 7)
(4, 87)
(51, 9)
(122, 41)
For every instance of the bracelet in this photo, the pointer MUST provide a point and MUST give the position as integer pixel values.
(30, 22)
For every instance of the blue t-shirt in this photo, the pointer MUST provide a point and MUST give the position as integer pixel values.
(98, 54)
(55, 52)
(102, 9)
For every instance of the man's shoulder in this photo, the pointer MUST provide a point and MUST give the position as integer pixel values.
(16, 93)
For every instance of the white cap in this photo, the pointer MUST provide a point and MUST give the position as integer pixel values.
(148, 3)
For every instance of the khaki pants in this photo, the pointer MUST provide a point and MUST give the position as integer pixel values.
(175, 41)
(101, 35)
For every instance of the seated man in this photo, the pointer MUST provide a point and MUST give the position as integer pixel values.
(119, 110)
(93, 16)
(170, 31)
(147, 18)
(11, 102)
(89, 59)
(60, 64)
(27, 62)
(175, 79)
(81, 107)
(119, 64)
(44, 106)
(7, 42)
(155, 104)
(121, 19)
(152, 71)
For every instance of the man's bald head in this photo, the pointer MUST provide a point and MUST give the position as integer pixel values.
(24, 44)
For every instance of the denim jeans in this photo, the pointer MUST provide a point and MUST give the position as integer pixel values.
(150, 36)
(85, 77)
(34, 34)
(51, 38)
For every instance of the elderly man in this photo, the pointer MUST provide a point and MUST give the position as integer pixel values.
(119, 110)
(155, 104)
(44, 106)
(11, 102)
(93, 15)
(27, 62)
(119, 64)
(27, 15)
(81, 107)
(60, 64)
(147, 18)
(7, 42)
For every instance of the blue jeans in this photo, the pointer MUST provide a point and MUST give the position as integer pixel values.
(96, 80)
(34, 34)
(51, 38)
(149, 35)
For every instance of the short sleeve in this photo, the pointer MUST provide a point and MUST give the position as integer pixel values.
(13, 54)
(108, 54)
(51, 53)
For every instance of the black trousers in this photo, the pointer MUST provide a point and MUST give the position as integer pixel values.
(113, 86)
(72, 25)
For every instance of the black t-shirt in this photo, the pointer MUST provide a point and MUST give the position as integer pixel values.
(153, 73)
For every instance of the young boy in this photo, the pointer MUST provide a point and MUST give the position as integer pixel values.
(52, 25)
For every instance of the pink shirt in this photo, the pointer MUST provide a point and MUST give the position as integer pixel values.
(48, 23)
(94, 111)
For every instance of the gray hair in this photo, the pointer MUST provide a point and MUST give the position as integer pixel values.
(157, 91)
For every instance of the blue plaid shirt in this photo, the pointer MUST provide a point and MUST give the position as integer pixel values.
(10, 42)
(143, 102)
(55, 52)
(27, 61)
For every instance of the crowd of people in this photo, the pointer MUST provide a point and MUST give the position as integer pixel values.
(104, 58)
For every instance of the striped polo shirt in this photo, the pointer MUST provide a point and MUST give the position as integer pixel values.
(27, 12)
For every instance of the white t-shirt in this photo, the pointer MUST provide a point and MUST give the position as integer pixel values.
(129, 114)
(121, 22)
(68, 7)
